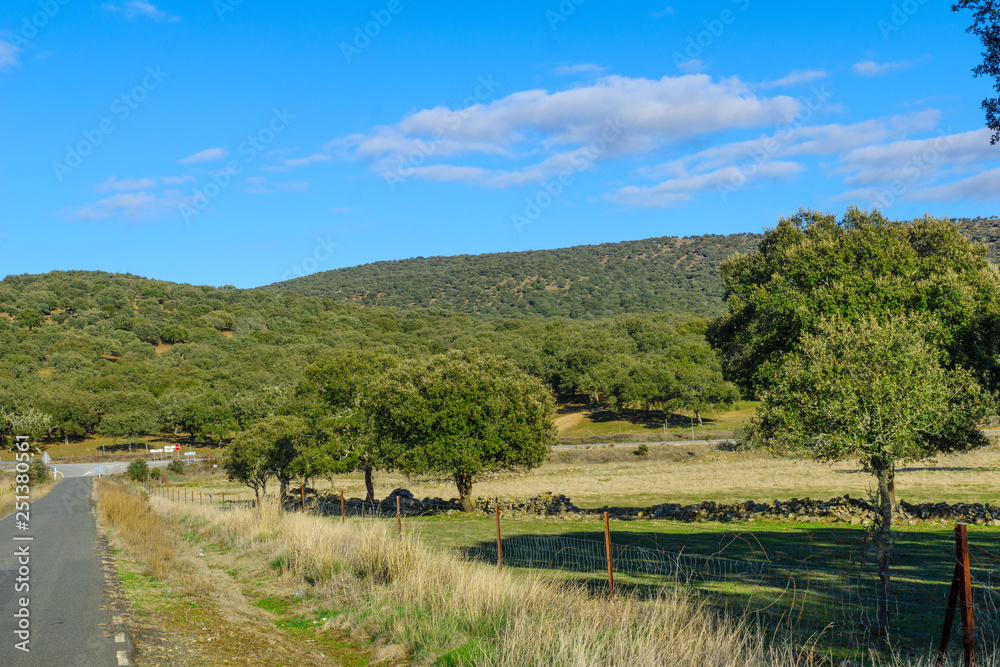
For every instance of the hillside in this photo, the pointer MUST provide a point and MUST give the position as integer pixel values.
(90, 352)
(663, 274)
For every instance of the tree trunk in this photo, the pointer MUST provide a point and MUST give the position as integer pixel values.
(698, 416)
(369, 487)
(464, 484)
(883, 545)
(892, 487)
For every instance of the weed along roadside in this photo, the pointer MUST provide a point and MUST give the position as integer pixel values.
(393, 599)
(346, 574)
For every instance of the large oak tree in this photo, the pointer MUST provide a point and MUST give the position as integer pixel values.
(465, 414)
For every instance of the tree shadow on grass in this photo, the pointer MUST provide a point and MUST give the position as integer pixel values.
(820, 582)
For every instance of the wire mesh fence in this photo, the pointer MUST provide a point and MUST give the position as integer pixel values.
(833, 608)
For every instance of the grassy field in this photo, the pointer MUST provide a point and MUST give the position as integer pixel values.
(815, 560)
(805, 586)
(580, 422)
(419, 604)
(681, 474)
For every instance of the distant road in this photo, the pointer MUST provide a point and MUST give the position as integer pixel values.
(677, 443)
(90, 469)
(72, 622)
(680, 443)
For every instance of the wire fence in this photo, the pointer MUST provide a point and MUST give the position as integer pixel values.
(833, 608)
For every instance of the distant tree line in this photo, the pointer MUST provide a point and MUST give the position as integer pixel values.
(459, 414)
(85, 353)
(651, 276)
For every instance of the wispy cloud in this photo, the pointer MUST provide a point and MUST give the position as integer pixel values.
(680, 190)
(258, 185)
(130, 206)
(650, 114)
(795, 78)
(207, 155)
(133, 9)
(294, 162)
(8, 55)
(579, 68)
(693, 66)
(873, 68)
(666, 11)
(133, 199)
(982, 187)
(770, 157)
(115, 184)
(910, 159)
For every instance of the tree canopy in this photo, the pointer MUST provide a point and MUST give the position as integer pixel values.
(812, 267)
(268, 448)
(465, 414)
(342, 394)
(875, 391)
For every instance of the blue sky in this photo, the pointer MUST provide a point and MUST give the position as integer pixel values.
(246, 142)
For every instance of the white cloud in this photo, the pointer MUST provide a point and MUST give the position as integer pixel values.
(133, 9)
(579, 68)
(8, 55)
(984, 186)
(131, 206)
(115, 184)
(795, 78)
(872, 68)
(680, 190)
(666, 11)
(258, 185)
(693, 66)
(797, 141)
(134, 199)
(647, 113)
(911, 159)
(292, 163)
(206, 155)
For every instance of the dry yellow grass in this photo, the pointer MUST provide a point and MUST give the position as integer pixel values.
(7, 493)
(216, 607)
(428, 603)
(424, 603)
(603, 476)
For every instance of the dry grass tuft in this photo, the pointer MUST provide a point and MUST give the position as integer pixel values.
(427, 605)
(430, 604)
(144, 534)
(7, 492)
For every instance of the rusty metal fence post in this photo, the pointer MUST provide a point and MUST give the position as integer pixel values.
(343, 515)
(499, 548)
(960, 595)
(607, 548)
(399, 520)
(302, 488)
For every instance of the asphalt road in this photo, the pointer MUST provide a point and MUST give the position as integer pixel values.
(68, 470)
(71, 620)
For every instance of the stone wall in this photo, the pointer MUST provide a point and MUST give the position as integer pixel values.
(842, 509)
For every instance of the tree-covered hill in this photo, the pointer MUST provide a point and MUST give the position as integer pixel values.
(657, 275)
(664, 274)
(85, 352)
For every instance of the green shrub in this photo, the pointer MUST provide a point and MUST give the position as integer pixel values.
(642, 450)
(176, 467)
(155, 474)
(37, 472)
(137, 471)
